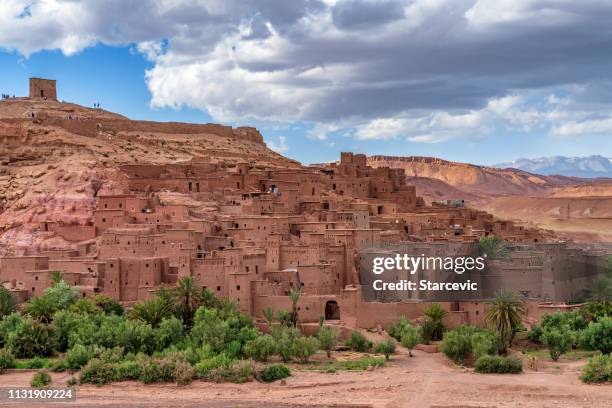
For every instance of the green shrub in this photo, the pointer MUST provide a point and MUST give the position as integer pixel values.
(498, 365)
(534, 335)
(84, 306)
(108, 304)
(411, 337)
(33, 363)
(7, 360)
(184, 373)
(260, 348)
(358, 342)
(483, 343)
(284, 337)
(71, 382)
(207, 368)
(8, 324)
(399, 329)
(8, 302)
(598, 335)
(61, 295)
(127, 370)
(457, 345)
(328, 338)
(77, 357)
(170, 331)
(304, 347)
(32, 338)
(274, 372)
(428, 330)
(98, 372)
(40, 379)
(559, 341)
(598, 369)
(386, 347)
(236, 371)
(359, 365)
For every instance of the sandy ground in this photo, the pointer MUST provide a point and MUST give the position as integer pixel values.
(427, 380)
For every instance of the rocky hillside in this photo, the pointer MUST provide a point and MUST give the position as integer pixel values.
(473, 179)
(56, 157)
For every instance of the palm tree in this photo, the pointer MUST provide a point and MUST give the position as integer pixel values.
(294, 296)
(209, 299)
(56, 277)
(435, 314)
(151, 311)
(41, 308)
(8, 302)
(504, 316)
(268, 313)
(187, 299)
(493, 248)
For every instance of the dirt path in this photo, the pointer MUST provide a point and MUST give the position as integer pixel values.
(427, 380)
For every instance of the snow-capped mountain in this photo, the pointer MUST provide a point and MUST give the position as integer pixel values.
(591, 166)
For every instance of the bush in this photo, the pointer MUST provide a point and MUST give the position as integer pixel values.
(127, 370)
(598, 336)
(284, 338)
(260, 348)
(40, 379)
(559, 341)
(77, 357)
(169, 332)
(359, 365)
(8, 302)
(598, 369)
(428, 330)
(8, 324)
(108, 305)
(328, 338)
(399, 329)
(358, 342)
(7, 360)
(207, 368)
(31, 338)
(386, 347)
(98, 372)
(411, 337)
(434, 315)
(36, 362)
(483, 343)
(304, 347)
(274, 372)
(71, 382)
(457, 344)
(534, 335)
(498, 365)
(184, 373)
(61, 295)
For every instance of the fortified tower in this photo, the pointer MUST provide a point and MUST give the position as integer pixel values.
(43, 88)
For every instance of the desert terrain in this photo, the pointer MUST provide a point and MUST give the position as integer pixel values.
(426, 380)
(575, 208)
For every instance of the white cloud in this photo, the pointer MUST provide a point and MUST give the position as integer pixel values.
(279, 147)
(424, 70)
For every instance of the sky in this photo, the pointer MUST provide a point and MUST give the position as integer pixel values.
(479, 81)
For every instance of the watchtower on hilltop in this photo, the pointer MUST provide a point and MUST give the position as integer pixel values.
(43, 88)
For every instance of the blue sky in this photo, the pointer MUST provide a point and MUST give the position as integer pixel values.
(447, 79)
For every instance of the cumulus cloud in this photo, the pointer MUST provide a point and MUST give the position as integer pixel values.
(279, 146)
(427, 70)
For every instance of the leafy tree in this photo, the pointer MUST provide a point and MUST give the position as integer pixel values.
(294, 296)
(8, 302)
(61, 295)
(493, 248)
(151, 311)
(597, 310)
(559, 341)
(8, 324)
(504, 317)
(435, 314)
(386, 347)
(260, 348)
(85, 306)
(108, 304)
(304, 347)
(328, 338)
(284, 337)
(169, 332)
(411, 337)
(32, 338)
(598, 335)
(358, 342)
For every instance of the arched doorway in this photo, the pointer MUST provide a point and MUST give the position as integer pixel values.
(332, 310)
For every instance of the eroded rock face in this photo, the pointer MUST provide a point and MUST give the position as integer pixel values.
(53, 165)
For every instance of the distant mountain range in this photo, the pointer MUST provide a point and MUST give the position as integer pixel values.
(590, 166)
